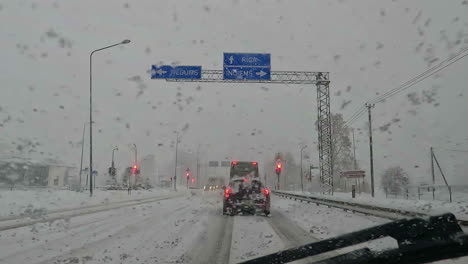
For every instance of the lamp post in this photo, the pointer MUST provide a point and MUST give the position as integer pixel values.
(91, 111)
(115, 148)
(302, 180)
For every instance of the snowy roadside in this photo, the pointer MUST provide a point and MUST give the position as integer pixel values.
(459, 209)
(38, 202)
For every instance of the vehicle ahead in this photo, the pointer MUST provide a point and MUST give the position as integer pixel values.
(244, 168)
(246, 196)
(212, 187)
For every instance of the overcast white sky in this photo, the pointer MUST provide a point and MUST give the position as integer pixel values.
(368, 47)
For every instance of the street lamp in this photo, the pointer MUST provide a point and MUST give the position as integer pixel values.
(91, 110)
(115, 148)
(302, 180)
(136, 152)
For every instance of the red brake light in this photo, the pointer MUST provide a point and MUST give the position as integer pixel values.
(266, 192)
(254, 163)
(234, 163)
(226, 192)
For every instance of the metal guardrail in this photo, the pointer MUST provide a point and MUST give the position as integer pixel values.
(384, 212)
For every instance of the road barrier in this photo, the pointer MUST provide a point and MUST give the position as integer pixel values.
(384, 212)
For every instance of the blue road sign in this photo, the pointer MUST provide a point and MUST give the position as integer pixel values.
(247, 59)
(247, 73)
(175, 72)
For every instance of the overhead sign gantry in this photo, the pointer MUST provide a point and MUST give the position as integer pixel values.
(256, 68)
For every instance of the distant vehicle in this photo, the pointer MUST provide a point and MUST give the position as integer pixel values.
(212, 187)
(246, 196)
(244, 169)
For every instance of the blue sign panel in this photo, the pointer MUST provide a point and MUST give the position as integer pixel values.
(175, 72)
(247, 59)
(247, 73)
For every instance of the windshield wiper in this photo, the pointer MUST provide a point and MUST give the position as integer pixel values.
(419, 241)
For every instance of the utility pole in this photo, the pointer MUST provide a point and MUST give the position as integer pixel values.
(369, 106)
(432, 173)
(198, 165)
(354, 151)
(175, 165)
(82, 150)
(302, 176)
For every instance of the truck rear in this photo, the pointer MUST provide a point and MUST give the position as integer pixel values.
(245, 193)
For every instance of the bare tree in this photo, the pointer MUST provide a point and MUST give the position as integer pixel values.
(394, 179)
(342, 158)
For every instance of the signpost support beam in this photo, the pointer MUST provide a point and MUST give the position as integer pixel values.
(319, 79)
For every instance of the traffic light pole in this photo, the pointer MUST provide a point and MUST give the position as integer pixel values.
(278, 182)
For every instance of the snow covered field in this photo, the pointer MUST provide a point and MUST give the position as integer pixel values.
(41, 201)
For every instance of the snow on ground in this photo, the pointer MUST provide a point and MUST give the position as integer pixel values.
(253, 237)
(187, 229)
(458, 208)
(158, 232)
(323, 222)
(40, 201)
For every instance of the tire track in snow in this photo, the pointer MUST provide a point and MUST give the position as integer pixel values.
(213, 244)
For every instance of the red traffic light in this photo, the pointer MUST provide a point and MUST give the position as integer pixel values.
(278, 167)
(134, 169)
(187, 174)
(234, 163)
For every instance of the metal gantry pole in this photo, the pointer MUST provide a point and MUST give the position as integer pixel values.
(322, 81)
(369, 107)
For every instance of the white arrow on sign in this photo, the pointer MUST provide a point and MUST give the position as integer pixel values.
(231, 60)
(261, 73)
(161, 72)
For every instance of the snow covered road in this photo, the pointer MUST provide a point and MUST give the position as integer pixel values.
(187, 229)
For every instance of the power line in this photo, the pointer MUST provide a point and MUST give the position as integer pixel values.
(421, 76)
(356, 116)
(455, 150)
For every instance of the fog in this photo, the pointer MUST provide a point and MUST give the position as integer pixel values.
(369, 47)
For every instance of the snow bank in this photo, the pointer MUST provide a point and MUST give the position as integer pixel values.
(459, 208)
(38, 202)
